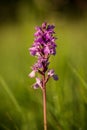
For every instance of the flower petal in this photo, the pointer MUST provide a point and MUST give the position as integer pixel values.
(55, 77)
(35, 86)
(51, 72)
(32, 74)
(33, 51)
(38, 81)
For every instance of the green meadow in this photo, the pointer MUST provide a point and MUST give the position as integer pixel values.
(20, 105)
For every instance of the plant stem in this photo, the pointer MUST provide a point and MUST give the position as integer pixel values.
(44, 101)
(44, 108)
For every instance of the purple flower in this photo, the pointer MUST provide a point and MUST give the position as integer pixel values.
(37, 84)
(43, 47)
(51, 73)
(46, 50)
(55, 77)
(38, 81)
(33, 51)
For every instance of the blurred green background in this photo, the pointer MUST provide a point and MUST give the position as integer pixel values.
(20, 105)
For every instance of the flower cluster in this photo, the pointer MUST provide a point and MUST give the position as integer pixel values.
(43, 47)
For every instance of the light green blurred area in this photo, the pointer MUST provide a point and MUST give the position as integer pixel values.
(20, 105)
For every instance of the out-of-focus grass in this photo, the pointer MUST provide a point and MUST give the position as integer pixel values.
(66, 99)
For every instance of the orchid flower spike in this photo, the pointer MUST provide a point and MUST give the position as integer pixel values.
(43, 47)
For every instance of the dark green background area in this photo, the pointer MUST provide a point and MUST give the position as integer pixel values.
(20, 105)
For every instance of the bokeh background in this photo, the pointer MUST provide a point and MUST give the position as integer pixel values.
(20, 105)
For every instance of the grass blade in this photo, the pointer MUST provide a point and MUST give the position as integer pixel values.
(10, 94)
(78, 75)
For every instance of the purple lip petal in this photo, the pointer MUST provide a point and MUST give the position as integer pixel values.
(35, 86)
(55, 77)
(33, 51)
